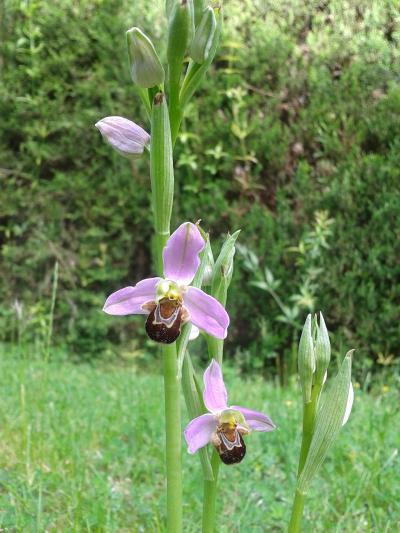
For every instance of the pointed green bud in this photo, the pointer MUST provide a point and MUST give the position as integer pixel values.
(329, 420)
(223, 269)
(203, 37)
(146, 68)
(180, 34)
(199, 6)
(306, 360)
(322, 351)
(196, 72)
(209, 267)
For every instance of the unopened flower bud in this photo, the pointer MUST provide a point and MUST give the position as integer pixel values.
(199, 6)
(223, 269)
(322, 352)
(203, 37)
(146, 68)
(126, 137)
(306, 360)
(207, 275)
(180, 35)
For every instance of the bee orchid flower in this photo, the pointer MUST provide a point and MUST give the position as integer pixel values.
(223, 426)
(170, 302)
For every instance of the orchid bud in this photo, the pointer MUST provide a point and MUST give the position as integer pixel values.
(335, 407)
(209, 265)
(322, 351)
(146, 68)
(199, 6)
(180, 34)
(306, 360)
(223, 269)
(203, 37)
(126, 137)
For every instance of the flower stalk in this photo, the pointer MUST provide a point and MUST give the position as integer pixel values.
(162, 187)
(210, 496)
(323, 416)
(172, 439)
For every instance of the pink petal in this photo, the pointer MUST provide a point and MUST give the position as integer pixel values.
(181, 253)
(215, 396)
(128, 301)
(206, 312)
(255, 420)
(198, 432)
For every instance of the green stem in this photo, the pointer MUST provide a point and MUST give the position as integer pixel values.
(160, 239)
(309, 413)
(162, 184)
(51, 315)
(172, 418)
(209, 498)
(297, 512)
(173, 440)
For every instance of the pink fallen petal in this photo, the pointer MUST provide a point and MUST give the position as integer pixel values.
(215, 396)
(199, 430)
(181, 253)
(129, 300)
(206, 312)
(255, 420)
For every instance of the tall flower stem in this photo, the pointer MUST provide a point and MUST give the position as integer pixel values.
(309, 413)
(209, 496)
(172, 440)
(297, 512)
(162, 185)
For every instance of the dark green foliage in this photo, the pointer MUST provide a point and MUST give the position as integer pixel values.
(299, 115)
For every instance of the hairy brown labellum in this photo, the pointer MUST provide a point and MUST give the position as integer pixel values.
(164, 322)
(230, 446)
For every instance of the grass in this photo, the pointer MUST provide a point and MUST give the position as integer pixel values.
(81, 449)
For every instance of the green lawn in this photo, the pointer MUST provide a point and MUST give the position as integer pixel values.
(82, 450)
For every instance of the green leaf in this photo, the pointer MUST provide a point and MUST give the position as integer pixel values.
(328, 422)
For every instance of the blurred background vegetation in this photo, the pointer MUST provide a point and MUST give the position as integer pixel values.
(294, 138)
